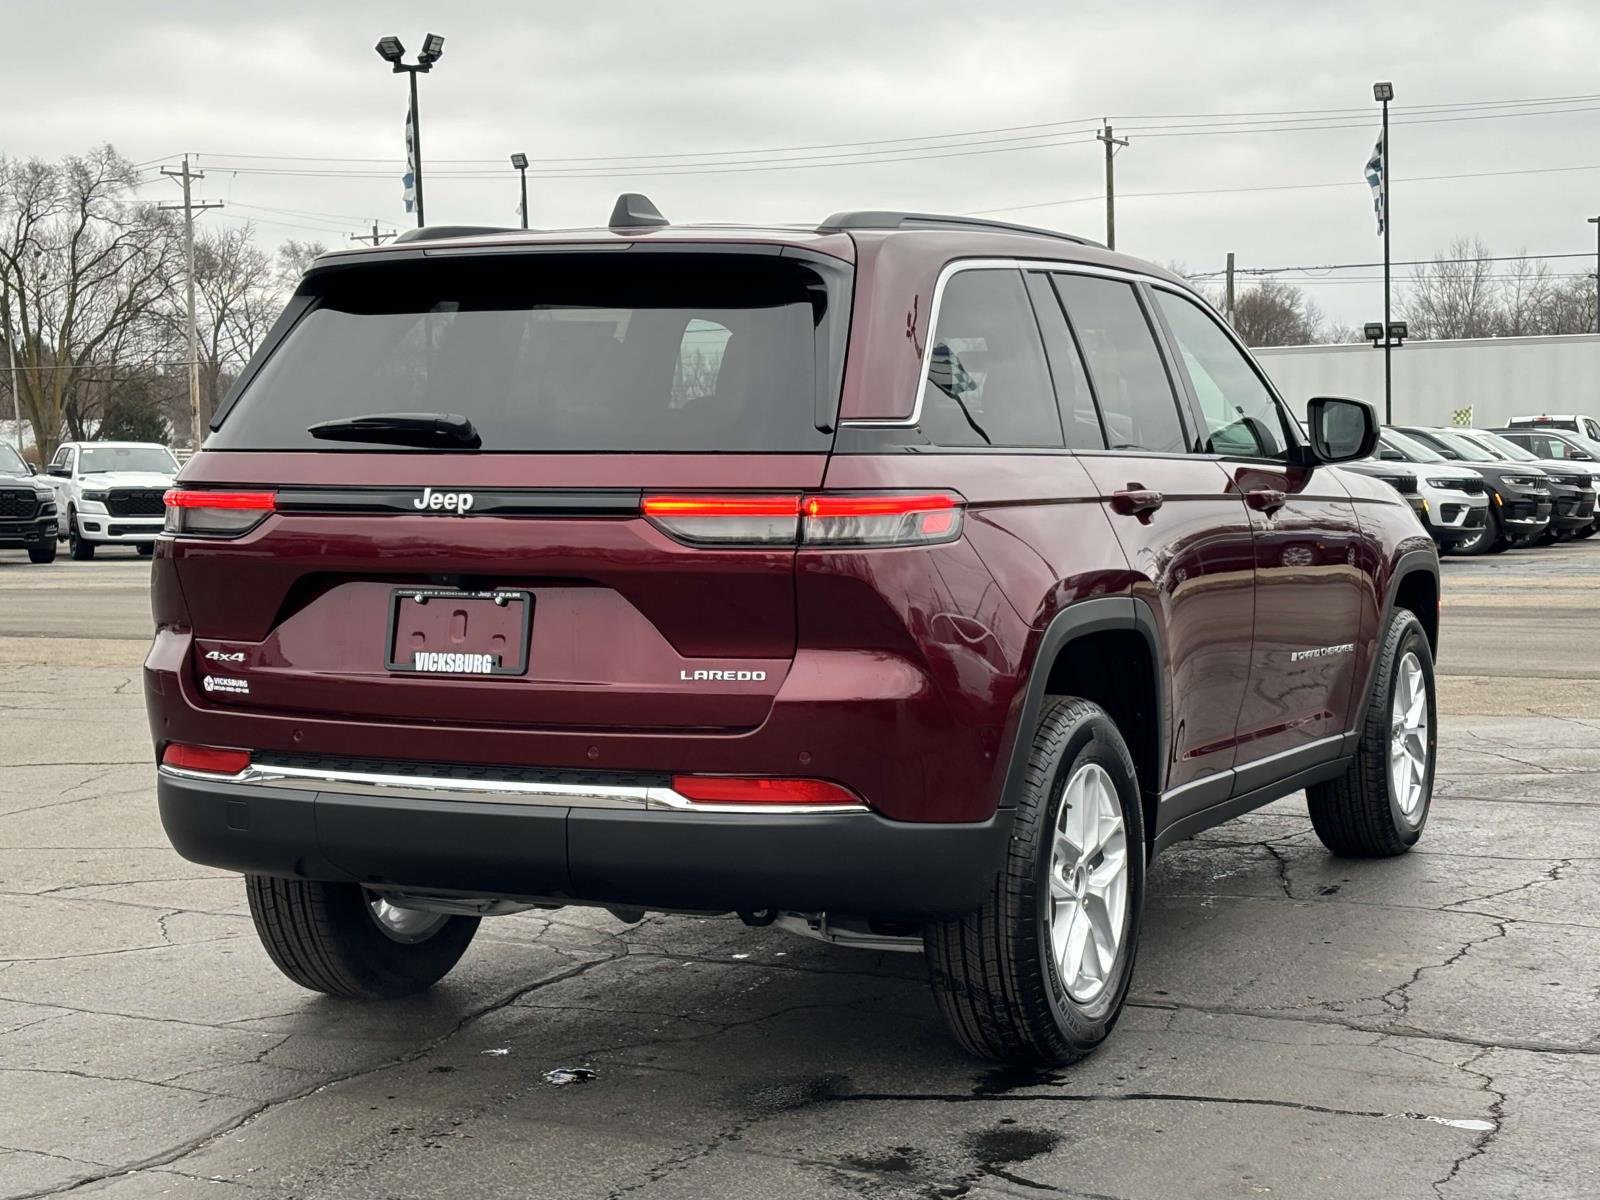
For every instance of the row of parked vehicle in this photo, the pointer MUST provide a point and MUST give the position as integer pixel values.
(90, 494)
(1481, 491)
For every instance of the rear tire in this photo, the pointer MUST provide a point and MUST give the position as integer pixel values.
(42, 554)
(146, 549)
(1005, 977)
(1378, 807)
(327, 937)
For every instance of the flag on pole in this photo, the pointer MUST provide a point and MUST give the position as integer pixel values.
(1461, 417)
(1377, 168)
(409, 179)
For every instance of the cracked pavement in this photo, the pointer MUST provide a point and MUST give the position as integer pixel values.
(1300, 1025)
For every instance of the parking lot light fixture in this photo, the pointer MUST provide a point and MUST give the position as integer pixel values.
(1383, 92)
(520, 163)
(392, 52)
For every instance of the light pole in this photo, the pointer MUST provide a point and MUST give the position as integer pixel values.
(520, 162)
(391, 51)
(1384, 92)
(1595, 221)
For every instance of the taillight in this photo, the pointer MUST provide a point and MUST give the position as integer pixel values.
(213, 760)
(749, 789)
(881, 520)
(822, 519)
(216, 514)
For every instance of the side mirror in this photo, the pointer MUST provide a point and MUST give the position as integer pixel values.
(32, 470)
(1341, 429)
(58, 472)
(1388, 455)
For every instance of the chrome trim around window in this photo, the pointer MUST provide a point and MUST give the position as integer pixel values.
(983, 264)
(491, 791)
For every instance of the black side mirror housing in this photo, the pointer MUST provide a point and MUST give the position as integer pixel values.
(1388, 455)
(58, 472)
(32, 470)
(1341, 429)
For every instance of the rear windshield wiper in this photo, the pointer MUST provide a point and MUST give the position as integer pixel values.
(442, 430)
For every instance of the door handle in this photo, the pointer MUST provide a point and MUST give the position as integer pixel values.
(1266, 500)
(1136, 501)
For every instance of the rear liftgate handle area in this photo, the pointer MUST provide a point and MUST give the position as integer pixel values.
(1136, 500)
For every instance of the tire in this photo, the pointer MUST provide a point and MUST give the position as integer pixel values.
(326, 937)
(80, 550)
(995, 974)
(1363, 813)
(146, 549)
(42, 554)
(1586, 532)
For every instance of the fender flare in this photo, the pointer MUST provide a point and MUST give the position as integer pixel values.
(1083, 619)
(1412, 562)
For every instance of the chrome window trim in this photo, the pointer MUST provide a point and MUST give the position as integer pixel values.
(491, 791)
(951, 269)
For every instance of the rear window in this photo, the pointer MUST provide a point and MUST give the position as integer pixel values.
(613, 351)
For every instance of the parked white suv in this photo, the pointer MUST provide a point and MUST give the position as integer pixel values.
(1456, 501)
(111, 493)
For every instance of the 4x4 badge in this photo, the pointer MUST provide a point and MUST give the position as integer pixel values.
(432, 501)
(224, 656)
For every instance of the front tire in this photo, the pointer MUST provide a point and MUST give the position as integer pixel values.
(341, 939)
(1040, 972)
(1481, 542)
(1378, 807)
(42, 554)
(81, 550)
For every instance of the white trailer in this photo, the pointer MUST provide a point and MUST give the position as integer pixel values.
(1498, 378)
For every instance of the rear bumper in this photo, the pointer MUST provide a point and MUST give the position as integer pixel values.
(854, 863)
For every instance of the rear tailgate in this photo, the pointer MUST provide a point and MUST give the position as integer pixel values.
(371, 554)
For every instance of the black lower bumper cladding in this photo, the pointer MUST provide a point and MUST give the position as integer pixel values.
(844, 863)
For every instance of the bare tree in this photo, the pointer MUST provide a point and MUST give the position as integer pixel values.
(1274, 313)
(81, 265)
(294, 260)
(1454, 296)
(1526, 293)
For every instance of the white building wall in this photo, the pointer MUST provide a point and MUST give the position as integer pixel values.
(1499, 377)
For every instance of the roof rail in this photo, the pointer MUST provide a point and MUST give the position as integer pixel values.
(844, 221)
(429, 233)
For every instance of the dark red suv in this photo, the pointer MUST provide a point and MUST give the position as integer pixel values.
(907, 581)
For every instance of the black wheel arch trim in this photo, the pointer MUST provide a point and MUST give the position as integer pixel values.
(1085, 618)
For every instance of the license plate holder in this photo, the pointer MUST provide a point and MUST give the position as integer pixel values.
(452, 634)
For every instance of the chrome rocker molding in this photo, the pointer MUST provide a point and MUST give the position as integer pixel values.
(544, 795)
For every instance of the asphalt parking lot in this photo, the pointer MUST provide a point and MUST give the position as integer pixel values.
(1300, 1026)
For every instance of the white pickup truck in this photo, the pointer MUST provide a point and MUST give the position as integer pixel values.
(111, 493)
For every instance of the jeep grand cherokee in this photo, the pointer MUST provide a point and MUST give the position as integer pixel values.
(906, 581)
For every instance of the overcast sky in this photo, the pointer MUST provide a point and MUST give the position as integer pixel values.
(226, 81)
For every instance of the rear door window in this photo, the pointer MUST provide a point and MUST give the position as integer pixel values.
(1137, 402)
(988, 383)
(620, 351)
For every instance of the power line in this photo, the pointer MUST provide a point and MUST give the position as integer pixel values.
(1219, 122)
(1283, 187)
(1408, 262)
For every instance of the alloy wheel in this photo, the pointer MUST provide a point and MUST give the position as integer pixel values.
(409, 925)
(1088, 883)
(1408, 738)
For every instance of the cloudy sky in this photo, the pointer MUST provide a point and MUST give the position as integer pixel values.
(929, 106)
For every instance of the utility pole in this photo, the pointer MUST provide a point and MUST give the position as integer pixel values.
(189, 206)
(1111, 189)
(1595, 221)
(1229, 301)
(374, 238)
(1384, 92)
